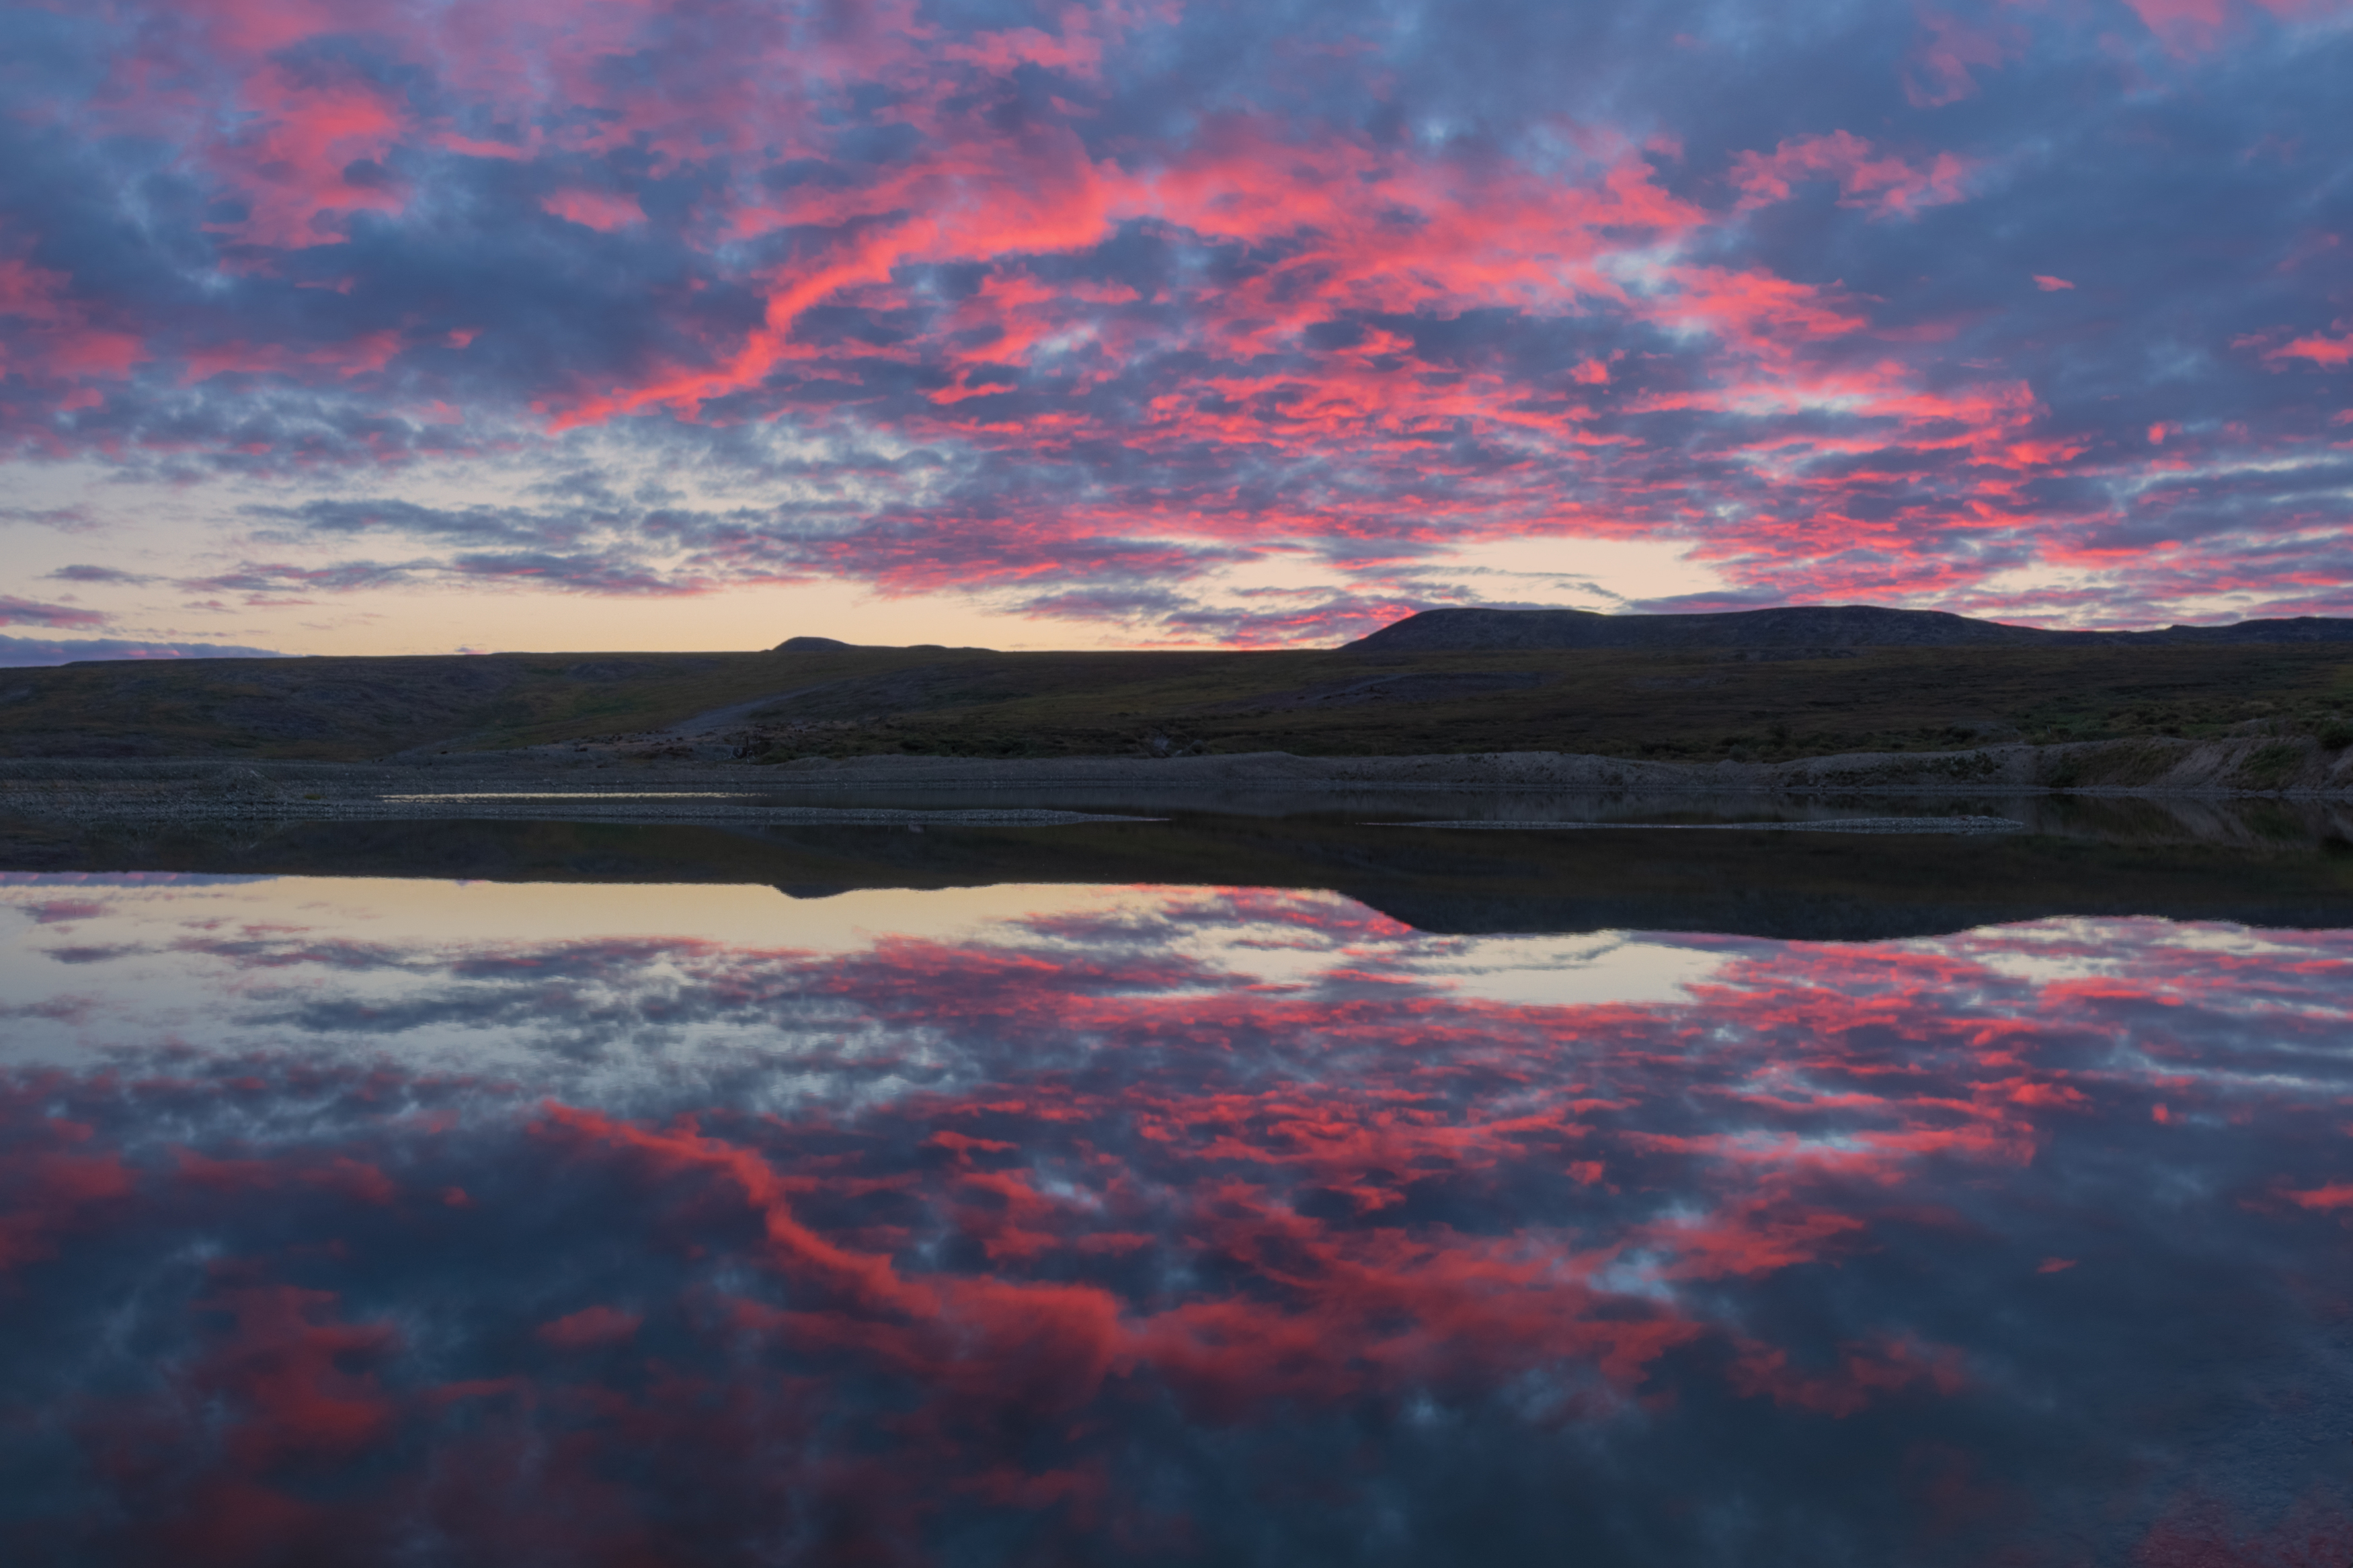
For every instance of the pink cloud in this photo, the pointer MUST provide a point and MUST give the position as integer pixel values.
(60, 335)
(603, 210)
(18, 612)
(590, 1328)
(2318, 348)
(354, 356)
(2189, 28)
(1939, 70)
(1887, 185)
(2184, 26)
(2336, 1196)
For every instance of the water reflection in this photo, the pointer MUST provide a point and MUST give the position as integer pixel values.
(356, 1220)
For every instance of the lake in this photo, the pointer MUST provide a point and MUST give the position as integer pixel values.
(1268, 1185)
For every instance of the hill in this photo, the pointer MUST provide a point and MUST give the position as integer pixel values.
(1675, 704)
(1808, 626)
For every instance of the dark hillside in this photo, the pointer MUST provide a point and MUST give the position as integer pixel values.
(1665, 706)
(1798, 626)
(1695, 705)
(328, 709)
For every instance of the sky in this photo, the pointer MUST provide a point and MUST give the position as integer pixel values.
(352, 326)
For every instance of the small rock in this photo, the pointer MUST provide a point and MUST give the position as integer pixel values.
(244, 783)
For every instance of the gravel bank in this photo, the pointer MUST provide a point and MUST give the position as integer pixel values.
(549, 785)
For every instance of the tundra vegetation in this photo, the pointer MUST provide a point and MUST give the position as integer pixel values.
(779, 705)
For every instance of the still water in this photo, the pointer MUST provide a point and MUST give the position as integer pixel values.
(412, 1219)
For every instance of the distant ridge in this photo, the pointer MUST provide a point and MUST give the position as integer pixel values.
(1798, 626)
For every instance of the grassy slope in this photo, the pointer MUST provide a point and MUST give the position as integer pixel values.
(1666, 706)
(355, 708)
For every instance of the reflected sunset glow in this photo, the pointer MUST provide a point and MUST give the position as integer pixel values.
(1159, 1223)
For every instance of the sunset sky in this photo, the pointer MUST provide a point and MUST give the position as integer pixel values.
(353, 326)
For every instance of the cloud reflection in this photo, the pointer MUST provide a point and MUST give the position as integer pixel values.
(1162, 1225)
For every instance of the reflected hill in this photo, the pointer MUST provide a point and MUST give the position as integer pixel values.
(2258, 863)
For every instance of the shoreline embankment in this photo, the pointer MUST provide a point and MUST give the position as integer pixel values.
(545, 783)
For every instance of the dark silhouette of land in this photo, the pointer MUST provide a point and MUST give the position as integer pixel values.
(1751, 687)
(2128, 859)
(1803, 626)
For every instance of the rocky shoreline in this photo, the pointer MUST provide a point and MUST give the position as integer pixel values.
(547, 783)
